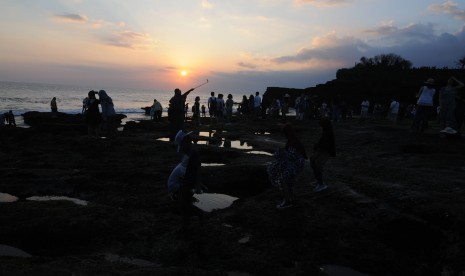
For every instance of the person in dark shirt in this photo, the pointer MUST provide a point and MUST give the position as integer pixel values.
(323, 149)
(176, 111)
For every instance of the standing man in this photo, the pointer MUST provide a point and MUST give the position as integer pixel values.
(53, 105)
(257, 104)
(176, 111)
(364, 110)
(394, 110)
(212, 105)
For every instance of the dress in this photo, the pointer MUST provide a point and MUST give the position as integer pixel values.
(288, 164)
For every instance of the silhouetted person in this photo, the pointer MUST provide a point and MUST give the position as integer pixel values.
(93, 117)
(108, 114)
(196, 111)
(11, 118)
(53, 105)
(447, 102)
(84, 105)
(156, 111)
(424, 106)
(176, 111)
(203, 111)
(323, 149)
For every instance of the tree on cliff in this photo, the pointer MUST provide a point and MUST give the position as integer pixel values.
(385, 61)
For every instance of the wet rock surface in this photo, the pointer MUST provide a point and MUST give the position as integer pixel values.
(394, 204)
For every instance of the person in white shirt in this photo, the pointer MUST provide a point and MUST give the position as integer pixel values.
(364, 109)
(424, 106)
(394, 110)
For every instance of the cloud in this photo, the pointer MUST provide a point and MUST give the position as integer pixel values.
(449, 7)
(322, 3)
(392, 35)
(129, 40)
(327, 48)
(71, 18)
(111, 33)
(206, 4)
(247, 65)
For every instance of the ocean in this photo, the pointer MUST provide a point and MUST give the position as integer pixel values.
(24, 97)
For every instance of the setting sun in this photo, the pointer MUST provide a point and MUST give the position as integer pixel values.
(183, 73)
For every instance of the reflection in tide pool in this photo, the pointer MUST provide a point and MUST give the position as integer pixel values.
(335, 270)
(6, 250)
(212, 164)
(209, 202)
(50, 198)
(236, 144)
(260, 152)
(7, 198)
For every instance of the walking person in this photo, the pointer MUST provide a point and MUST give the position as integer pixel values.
(288, 164)
(323, 149)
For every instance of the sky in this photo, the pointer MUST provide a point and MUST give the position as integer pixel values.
(238, 46)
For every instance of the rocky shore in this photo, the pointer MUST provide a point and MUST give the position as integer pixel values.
(394, 204)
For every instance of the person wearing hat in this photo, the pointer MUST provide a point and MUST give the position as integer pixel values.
(424, 106)
(185, 178)
(176, 110)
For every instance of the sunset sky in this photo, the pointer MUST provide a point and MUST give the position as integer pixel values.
(240, 45)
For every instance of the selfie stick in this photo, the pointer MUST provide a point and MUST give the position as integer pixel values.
(201, 84)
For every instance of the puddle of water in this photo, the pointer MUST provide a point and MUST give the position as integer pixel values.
(212, 164)
(335, 270)
(242, 145)
(49, 198)
(7, 198)
(260, 152)
(6, 250)
(209, 202)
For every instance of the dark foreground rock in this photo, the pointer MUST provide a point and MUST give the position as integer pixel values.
(389, 210)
